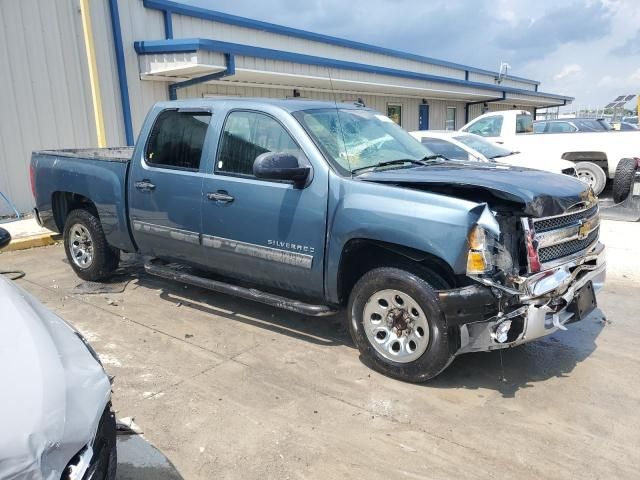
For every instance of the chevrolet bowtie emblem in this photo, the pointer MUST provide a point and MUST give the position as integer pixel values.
(584, 229)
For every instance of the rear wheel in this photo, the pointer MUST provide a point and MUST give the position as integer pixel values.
(592, 175)
(625, 176)
(86, 247)
(397, 324)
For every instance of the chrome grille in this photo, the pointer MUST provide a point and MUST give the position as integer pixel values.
(553, 223)
(561, 250)
(550, 241)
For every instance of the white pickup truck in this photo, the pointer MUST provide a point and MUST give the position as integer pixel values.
(596, 154)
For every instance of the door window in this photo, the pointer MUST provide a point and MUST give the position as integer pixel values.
(245, 136)
(177, 139)
(486, 127)
(561, 127)
(538, 127)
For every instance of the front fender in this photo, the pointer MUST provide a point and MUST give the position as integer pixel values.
(432, 223)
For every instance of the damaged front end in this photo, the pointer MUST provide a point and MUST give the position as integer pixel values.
(527, 277)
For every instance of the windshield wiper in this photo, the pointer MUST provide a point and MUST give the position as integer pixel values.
(503, 155)
(388, 163)
(436, 156)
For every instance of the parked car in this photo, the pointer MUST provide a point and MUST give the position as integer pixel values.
(55, 407)
(571, 125)
(595, 154)
(315, 207)
(470, 147)
(625, 126)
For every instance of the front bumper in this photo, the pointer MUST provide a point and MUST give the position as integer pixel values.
(97, 460)
(540, 305)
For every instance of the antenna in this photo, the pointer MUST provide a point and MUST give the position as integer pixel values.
(335, 102)
(502, 74)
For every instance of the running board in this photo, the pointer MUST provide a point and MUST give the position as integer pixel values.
(158, 268)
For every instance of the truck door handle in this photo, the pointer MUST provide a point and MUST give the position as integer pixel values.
(221, 196)
(144, 185)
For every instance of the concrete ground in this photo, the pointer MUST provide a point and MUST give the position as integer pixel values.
(228, 389)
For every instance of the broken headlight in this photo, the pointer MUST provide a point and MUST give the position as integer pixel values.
(486, 253)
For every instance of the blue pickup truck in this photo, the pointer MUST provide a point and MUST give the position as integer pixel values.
(316, 207)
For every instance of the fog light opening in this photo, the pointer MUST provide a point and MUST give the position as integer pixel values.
(501, 333)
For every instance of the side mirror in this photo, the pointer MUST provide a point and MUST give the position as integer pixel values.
(281, 166)
(5, 238)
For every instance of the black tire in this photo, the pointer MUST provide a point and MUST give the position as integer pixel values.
(623, 181)
(438, 354)
(592, 172)
(105, 259)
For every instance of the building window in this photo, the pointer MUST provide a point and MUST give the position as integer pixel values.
(450, 123)
(394, 112)
(176, 140)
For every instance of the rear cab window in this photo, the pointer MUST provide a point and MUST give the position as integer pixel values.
(524, 123)
(486, 127)
(177, 139)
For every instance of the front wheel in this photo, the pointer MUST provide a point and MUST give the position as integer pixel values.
(396, 322)
(86, 247)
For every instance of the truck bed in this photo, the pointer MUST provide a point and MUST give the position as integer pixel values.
(113, 154)
(62, 177)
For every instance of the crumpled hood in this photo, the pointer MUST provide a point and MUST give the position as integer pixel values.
(540, 193)
(53, 390)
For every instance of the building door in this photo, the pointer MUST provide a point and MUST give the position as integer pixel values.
(423, 117)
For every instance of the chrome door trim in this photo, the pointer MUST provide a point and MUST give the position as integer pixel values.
(295, 259)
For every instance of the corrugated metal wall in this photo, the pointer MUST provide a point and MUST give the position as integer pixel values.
(410, 106)
(44, 80)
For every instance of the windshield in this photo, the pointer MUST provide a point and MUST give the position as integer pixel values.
(485, 147)
(356, 139)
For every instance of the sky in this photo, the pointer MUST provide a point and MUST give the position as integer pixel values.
(587, 49)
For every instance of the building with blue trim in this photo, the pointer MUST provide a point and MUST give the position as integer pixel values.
(152, 50)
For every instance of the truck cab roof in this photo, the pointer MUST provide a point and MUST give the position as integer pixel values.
(286, 104)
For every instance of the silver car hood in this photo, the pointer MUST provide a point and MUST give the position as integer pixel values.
(53, 390)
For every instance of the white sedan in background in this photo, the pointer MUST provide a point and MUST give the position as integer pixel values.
(456, 145)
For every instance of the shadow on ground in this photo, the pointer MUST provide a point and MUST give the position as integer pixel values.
(512, 369)
(139, 460)
(506, 371)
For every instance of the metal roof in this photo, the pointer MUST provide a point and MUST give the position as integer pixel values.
(169, 6)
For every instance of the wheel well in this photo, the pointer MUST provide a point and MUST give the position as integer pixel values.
(599, 158)
(64, 202)
(361, 255)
